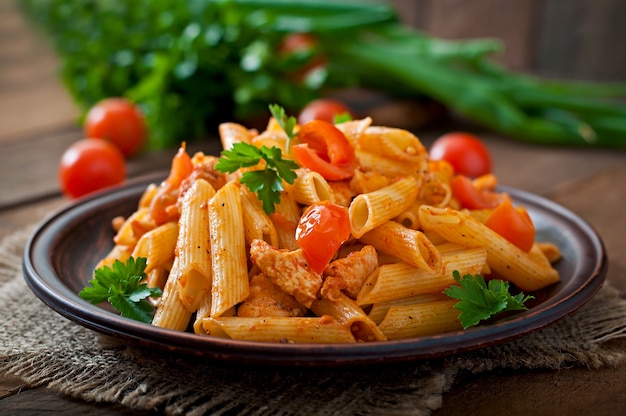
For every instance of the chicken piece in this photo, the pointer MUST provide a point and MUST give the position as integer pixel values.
(266, 299)
(287, 269)
(348, 274)
(203, 168)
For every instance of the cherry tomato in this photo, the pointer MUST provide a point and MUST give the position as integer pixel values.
(90, 165)
(118, 121)
(514, 224)
(323, 228)
(323, 109)
(472, 198)
(300, 43)
(465, 152)
(325, 150)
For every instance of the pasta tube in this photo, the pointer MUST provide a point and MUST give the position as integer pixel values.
(527, 271)
(228, 250)
(368, 211)
(193, 246)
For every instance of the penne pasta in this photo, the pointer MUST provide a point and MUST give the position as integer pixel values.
(228, 250)
(257, 225)
(410, 246)
(157, 245)
(311, 330)
(400, 280)
(368, 211)
(310, 188)
(170, 312)
(193, 250)
(231, 133)
(349, 314)
(421, 319)
(378, 311)
(528, 272)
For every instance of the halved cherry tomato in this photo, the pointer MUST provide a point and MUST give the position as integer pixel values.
(472, 198)
(90, 165)
(514, 224)
(118, 121)
(323, 228)
(325, 150)
(464, 151)
(323, 109)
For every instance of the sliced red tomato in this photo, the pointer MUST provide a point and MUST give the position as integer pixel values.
(323, 228)
(514, 224)
(472, 198)
(464, 151)
(325, 150)
(323, 109)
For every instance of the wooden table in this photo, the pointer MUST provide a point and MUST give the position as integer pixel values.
(38, 121)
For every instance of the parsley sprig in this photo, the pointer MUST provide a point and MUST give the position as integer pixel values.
(287, 123)
(267, 182)
(121, 286)
(479, 300)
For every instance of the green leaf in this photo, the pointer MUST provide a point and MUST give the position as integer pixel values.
(480, 301)
(287, 123)
(121, 285)
(266, 183)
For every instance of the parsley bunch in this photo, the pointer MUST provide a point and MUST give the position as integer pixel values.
(480, 301)
(121, 286)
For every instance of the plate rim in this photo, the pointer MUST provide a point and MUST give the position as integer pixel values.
(69, 305)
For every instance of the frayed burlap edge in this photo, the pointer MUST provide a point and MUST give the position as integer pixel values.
(47, 350)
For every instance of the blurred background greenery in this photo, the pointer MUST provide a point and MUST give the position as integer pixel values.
(192, 64)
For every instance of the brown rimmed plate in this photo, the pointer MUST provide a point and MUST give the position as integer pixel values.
(62, 252)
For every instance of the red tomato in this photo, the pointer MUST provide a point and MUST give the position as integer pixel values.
(294, 43)
(323, 228)
(465, 152)
(323, 109)
(90, 165)
(325, 150)
(514, 224)
(472, 198)
(118, 121)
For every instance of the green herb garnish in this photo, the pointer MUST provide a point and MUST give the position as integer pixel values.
(267, 182)
(121, 286)
(342, 118)
(287, 123)
(479, 300)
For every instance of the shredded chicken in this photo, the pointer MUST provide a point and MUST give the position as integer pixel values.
(204, 168)
(287, 269)
(266, 299)
(348, 274)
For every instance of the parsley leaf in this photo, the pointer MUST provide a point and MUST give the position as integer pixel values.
(480, 301)
(287, 123)
(121, 286)
(267, 182)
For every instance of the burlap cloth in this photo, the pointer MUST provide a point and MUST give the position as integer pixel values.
(45, 349)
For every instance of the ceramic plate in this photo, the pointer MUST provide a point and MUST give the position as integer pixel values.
(62, 252)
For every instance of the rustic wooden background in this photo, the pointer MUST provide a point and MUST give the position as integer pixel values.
(567, 39)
